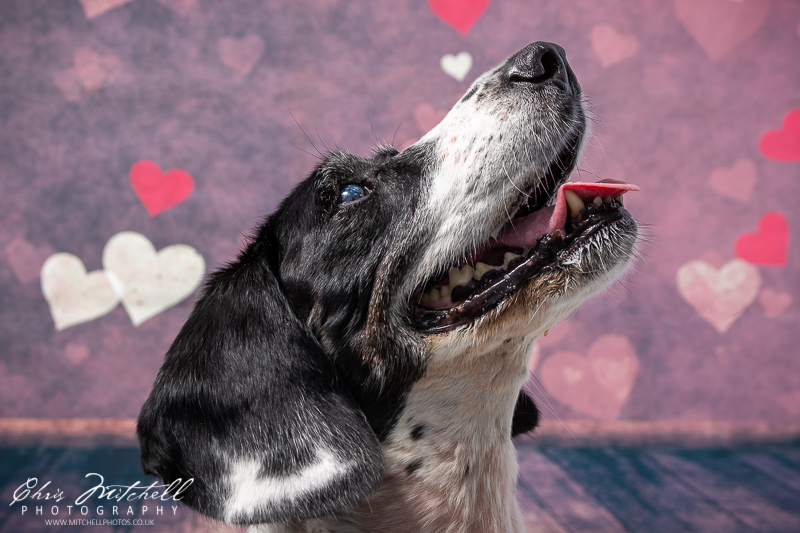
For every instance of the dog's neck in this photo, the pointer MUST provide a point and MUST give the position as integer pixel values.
(449, 464)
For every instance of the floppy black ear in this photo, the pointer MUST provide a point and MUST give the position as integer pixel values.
(526, 415)
(248, 404)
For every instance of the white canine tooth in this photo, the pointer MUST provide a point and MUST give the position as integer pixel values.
(510, 256)
(445, 291)
(434, 294)
(481, 269)
(574, 202)
(598, 201)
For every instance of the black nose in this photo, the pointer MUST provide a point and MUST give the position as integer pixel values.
(540, 63)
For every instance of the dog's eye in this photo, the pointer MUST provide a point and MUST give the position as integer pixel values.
(352, 192)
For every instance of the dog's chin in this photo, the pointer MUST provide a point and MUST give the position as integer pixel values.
(535, 283)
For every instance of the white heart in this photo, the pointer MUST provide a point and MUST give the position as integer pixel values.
(73, 295)
(458, 66)
(719, 296)
(152, 281)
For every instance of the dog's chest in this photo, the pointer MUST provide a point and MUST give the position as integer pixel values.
(449, 463)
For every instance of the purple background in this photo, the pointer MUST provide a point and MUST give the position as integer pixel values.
(677, 94)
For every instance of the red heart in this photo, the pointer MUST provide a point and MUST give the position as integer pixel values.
(719, 26)
(783, 144)
(158, 190)
(769, 245)
(460, 14)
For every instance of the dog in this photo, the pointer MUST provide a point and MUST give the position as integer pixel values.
(359, 366)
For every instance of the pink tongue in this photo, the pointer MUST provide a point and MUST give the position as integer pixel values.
(524, 232)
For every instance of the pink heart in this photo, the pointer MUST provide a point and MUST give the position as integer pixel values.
(158, 190)
(76, 353)
(26, 259)
(769, 245)
(96, 70)
(241, 55)
(719, 296)
(460, 14)
(95, 8)
(427, 117)
(596, 385)
(783, 144)
(611, 46)
(737, 181)
(774, 302)
(719, 25)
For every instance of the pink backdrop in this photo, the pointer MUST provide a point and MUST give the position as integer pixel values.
(696, 101)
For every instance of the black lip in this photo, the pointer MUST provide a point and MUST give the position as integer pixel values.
(544, 257)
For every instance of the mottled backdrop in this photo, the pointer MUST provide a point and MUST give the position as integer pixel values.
(181, 122)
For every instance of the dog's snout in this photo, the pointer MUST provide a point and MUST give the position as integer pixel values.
(540, 63)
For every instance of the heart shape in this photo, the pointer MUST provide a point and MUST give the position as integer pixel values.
(720, 25)
(151, 282)
(611, 46)
(95, 8)
(73, 295)
(596, 385)
(96, 70)
(774, 302)
(769, 245)
(160, 191)
(240, 55)
(737, 181)
(459, 14)
(26, 259)
(456, 66)
(719, 296)
(69, 84)
(783, 144)
(426, 116)
(76, 353)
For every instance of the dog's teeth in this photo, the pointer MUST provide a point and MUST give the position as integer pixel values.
(575, 203)
(510, 256)
(434, 294)
(481, 269)
(445, 291)
(598, 201)
(467, 272)
(460, 276)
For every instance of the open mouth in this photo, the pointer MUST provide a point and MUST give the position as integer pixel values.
(555, 221)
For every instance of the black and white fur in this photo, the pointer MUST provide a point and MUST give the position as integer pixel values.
(300, 396)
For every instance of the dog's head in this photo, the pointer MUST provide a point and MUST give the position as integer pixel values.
(296, 361)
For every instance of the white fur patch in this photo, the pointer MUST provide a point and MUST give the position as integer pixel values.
(250, 491)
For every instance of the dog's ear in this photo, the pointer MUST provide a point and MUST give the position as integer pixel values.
(526, 415)
(249, 406)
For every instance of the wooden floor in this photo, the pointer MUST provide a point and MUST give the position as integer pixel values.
(561, 489)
